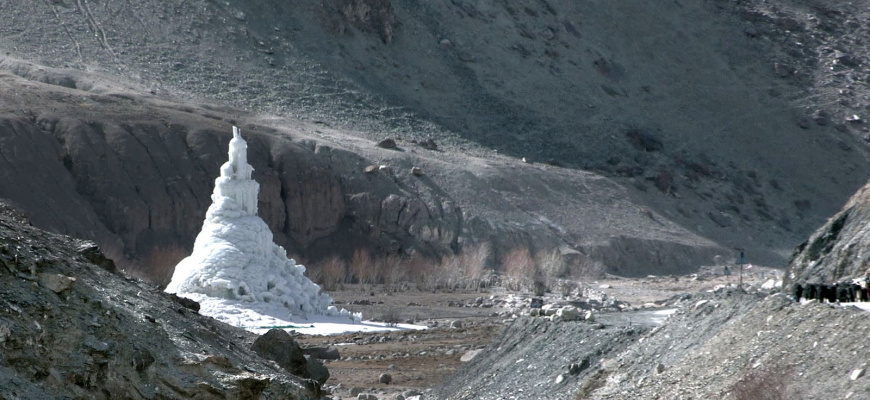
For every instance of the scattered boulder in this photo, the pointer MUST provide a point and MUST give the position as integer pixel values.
(548, 310)
(142, 359)
(323, 353)
(469, 355)
(388, 143)
(91, 252)
(722, 219)
(568, 313)
(412, 393)
(356, 391)
(385, 378)
(370, 169)
(429, 144)
(821, 117)
(219, 361)
(848, 60)
(416, 171)
(366, 396)
(278, 346)
(659, 368)
(856, 374)
(56, 282)
(316, 370)
(589, 316)
(456, 324)
(185, 302)
(576, 368)
(560, 379)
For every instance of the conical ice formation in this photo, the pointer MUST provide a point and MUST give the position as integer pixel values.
(234, 256)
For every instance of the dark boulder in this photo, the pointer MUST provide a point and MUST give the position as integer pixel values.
(278, 346)
(388, 144)
(323, 353)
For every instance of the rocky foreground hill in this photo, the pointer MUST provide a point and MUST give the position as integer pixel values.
(683, 130)
(837, 251)
(72, 327)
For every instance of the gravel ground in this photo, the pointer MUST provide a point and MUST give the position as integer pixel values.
(702, 351)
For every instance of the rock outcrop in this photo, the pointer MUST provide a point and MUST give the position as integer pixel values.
(837, 251)
(72, 329)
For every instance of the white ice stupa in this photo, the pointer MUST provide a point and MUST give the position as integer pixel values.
(234, 257)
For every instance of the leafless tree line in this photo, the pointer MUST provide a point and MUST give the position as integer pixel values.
(472, 269)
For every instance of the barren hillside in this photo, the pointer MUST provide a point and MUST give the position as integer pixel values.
(683, 130)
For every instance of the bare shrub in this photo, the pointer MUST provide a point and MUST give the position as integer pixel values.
(329, 272)
(589, 268)
(450, 273)
(423, 272)
(363, 267)
(775, 382)
(473, 261)
(393, 272)
(519, 269)
(551, 267)
(551, 263)
(391, 316)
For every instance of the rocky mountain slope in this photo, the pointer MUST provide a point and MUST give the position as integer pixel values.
(686, 129)
(136, 173)
(72, 327)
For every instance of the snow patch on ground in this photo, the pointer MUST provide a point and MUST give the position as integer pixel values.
(260, 317)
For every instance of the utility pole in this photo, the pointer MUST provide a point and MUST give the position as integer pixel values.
(741, 261)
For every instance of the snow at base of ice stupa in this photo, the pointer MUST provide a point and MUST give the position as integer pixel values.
(236, 271)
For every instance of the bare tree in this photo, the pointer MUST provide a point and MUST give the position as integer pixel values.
(473, 261)
(519, 268)
(330, 272)
(362, 266)
(393, 271)
(423, 272)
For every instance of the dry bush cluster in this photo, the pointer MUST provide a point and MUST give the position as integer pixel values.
(473, 269)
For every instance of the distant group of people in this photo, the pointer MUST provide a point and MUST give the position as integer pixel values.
(843, 292)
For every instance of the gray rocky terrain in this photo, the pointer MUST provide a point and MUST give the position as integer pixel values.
(703, 351)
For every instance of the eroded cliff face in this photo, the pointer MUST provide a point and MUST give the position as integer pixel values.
(141, 186)
(133, 172)
(838, 251)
